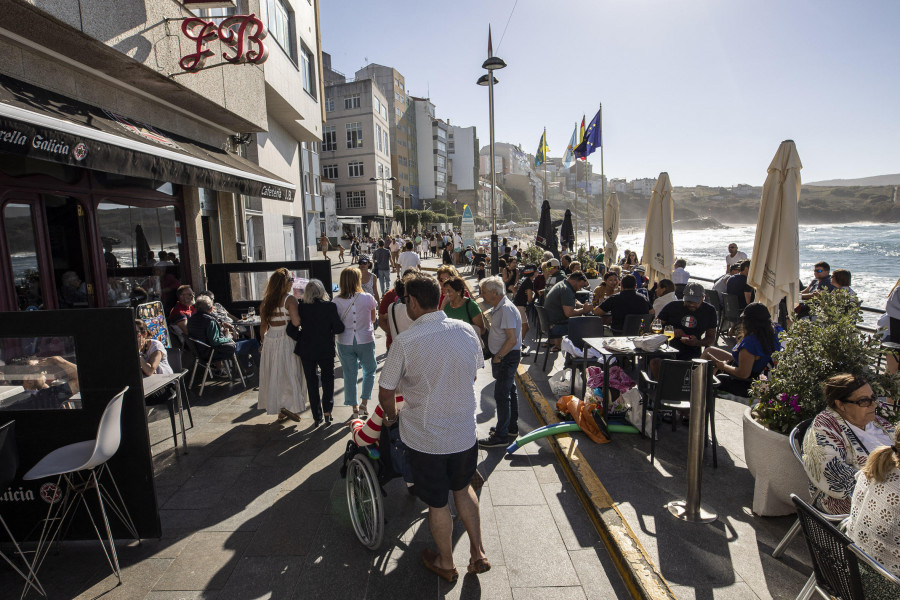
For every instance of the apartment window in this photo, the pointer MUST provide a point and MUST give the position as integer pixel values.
(442, 135)
(330, 171)
(279, 24)
(387, 171)
(308, 70)
(387, 143)
(441, 146)
(314, 147)
(384, 111)
(381, 200)
(397, 82)
(380, 170)
(329, 139)
(441, 162)
(377, 104)
(452, 148)
(329, 104)
(355, 169)
(440, 177)
(354, 134)
(351, 101)
(387, 202)
(306, 183)
(316, 187)
(379, 141)
(399, 113)
(356, 199)
(337, 200)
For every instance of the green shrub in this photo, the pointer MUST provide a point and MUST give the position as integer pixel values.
(813, 350)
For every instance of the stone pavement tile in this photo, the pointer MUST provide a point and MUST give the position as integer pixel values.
(515, 488)
(77, 566)
(180, 519)
(335, 563)
(496, 459)
(137, 581)
(548, 593)
(183, 595)
(575, 527)
(735, 591)
(170, 545)
(241, 513)
(206, 562)
(262, 577)
(493, 585)
(490, 535)
(403, 577)
(532, 547)
(598, 575)
(287, 526)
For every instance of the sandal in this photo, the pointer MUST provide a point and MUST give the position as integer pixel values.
(281, 418)
(479, 566)
(363, 410)
(290, 415)
(428, 558)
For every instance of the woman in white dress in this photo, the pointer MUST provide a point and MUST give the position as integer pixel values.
(282, 390)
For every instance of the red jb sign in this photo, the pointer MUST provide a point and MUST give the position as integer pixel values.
(243, 34)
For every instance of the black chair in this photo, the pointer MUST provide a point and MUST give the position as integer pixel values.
(835, 568)
(636, 324)
(796, 440)
(712, 298)
(544, 332)
(867, 563)
(679, 290)
(671, 391)
(206, 355)
(731, 313)
(177, 363)
(9, 465)
(580, 328)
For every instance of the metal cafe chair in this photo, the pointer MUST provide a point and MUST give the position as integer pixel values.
(636, 324)
(9, 464)
(867, 562)
(731, 313)
(81, 467)
(177, 364)
(205, 356)
(543, 332)
(796, 440)
(835, 568)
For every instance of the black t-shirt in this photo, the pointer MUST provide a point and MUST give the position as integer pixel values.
(521, 297)
(737, 285)
(694, 323)
(626, 302)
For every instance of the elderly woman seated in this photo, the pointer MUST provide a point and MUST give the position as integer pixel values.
(840, 439)
(875, 517)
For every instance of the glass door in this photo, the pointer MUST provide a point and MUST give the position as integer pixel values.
(19, 228)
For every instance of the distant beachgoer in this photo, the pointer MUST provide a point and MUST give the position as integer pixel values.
(733, 256)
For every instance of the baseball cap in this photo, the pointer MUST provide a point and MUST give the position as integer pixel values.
(553, 262)
(364, 258)
(736, 266)
(638, 268)
(529, 270)
(693, 292)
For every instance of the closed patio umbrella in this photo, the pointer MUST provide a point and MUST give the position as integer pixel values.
(374, 230)
(546, 233)
(659, 247)
(567, 232)
(775, 264)
(611, 229)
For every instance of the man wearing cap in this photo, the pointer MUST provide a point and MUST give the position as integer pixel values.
(561, 305)
(627, 302)
(554, 273)
(694, 321)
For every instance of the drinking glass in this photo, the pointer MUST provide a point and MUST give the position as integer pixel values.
(656, 326)
(251, 312)
(669, 332)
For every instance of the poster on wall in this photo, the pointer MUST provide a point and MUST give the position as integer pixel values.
(151, 313)
(332, 225)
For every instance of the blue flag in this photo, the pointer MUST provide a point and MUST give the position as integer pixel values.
(591, 138)
(570, 149)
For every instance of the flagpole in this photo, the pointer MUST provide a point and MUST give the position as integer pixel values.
(602, 177)
(576, 187)
(587, 199)
(544, 150)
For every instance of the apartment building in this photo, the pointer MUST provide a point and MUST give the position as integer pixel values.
(404, 161)
(431, 140)
(356, 148)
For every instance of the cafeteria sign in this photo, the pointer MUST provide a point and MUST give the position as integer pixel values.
(468, 227)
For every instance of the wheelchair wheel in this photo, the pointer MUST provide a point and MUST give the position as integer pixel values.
(365, 502)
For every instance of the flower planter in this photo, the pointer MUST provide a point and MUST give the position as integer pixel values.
(775, 469)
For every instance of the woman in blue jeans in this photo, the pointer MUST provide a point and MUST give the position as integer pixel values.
(356, 345)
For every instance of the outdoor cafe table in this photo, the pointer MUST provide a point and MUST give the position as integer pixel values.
(252, 323)
(156, 381)
(620, 347)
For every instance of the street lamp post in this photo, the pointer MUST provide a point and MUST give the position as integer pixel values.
(492, 64)
(384, 197)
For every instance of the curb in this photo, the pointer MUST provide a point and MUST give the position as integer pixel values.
(640, 575)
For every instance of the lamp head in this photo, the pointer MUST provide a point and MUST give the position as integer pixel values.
(483, 80)
(493, 63)
(372, 179)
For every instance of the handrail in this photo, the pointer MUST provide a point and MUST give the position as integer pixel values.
(870, 309)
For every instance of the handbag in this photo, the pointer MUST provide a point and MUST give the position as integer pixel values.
(485, 349)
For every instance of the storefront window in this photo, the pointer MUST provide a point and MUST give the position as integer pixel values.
(23, 252)
(38, 373)
(135, 236)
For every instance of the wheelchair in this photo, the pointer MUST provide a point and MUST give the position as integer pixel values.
(367, 470)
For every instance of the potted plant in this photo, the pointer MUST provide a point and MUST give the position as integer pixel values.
(812, 350)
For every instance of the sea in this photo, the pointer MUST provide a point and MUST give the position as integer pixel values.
(870, 251)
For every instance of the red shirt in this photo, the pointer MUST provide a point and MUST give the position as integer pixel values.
(181, 312)
(389, 297)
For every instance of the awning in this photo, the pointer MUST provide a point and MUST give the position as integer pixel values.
(40, 124)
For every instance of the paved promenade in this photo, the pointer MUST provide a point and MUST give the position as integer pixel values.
(257, 509)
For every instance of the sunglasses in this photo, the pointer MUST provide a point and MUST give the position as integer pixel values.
(862, 402)
(820, 270)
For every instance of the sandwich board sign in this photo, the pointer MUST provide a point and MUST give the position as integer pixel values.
(468, 227)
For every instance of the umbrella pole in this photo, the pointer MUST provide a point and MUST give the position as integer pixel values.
(587, 199)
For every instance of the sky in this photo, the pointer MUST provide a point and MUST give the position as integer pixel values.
(703, 89)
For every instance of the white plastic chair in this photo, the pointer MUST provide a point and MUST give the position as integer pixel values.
(81, 466)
